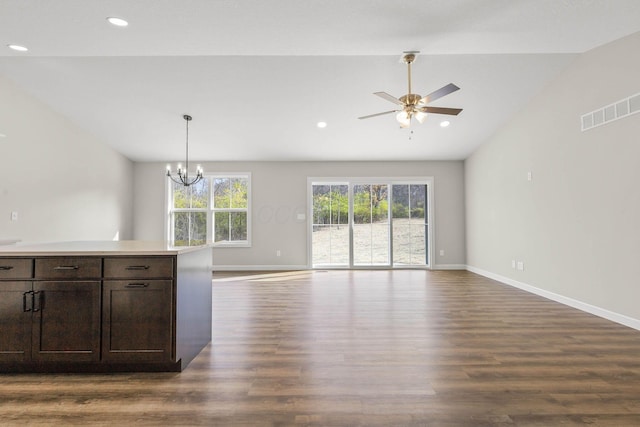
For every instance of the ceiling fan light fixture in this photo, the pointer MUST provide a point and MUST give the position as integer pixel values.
(444, 123)
(404, 118)
(420, 116)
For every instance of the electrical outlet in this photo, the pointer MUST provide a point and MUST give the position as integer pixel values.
(520, 265)
(441, 252)
(14, 216)
(513, 264)
(278, 253)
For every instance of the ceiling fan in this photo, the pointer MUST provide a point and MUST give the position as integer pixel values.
(414, 105)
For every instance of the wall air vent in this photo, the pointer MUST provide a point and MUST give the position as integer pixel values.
(618, 110)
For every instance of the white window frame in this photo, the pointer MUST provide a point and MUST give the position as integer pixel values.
(169, 232)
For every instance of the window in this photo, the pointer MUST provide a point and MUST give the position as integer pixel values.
(215, 210)
(230, 209)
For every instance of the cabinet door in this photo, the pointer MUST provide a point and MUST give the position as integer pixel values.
(66, 321)
(15, 321)
(137, 321)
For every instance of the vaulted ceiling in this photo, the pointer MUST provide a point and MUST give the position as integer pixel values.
(257, 75)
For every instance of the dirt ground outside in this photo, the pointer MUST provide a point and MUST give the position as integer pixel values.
(371, 243)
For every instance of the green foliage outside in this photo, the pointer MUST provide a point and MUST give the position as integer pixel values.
(331, 208)
(370, 204)
(230, 193)
(190, 228)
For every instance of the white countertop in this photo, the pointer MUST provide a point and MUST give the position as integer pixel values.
(101, 248)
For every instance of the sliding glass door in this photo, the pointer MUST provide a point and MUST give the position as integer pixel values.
(410, 225)
(370, 225)
(330, 227)
(373, 223)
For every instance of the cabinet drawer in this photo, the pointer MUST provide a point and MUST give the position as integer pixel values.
(138, 267)
(68, 268)
(16, 268)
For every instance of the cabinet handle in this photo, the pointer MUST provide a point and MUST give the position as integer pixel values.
(6, 267)
(137, 285)
(137, 267)
(24, 302)
(40, 300)
(66, 267)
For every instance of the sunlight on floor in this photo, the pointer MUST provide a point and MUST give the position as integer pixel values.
(260, 276)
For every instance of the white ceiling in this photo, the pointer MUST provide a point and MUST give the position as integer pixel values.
(257, 75)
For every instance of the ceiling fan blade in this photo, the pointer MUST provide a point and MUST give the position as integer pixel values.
(445, 90)
(388, 97)
(441, 110)
(378, 114)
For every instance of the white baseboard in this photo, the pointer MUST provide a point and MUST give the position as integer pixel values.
(592, 309)
(258, 267)
(449, 267)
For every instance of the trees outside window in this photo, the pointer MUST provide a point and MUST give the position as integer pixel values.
(214, 210)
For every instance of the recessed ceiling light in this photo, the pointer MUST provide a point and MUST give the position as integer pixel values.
(445, 123)
(17, 47)
(2, 135)
(118, 22)
(322, 125)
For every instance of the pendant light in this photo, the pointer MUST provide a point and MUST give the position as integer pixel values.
(182, 177)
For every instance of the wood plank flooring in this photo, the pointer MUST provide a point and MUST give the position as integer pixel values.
(365, 348)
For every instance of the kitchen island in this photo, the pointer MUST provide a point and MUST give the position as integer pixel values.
(103, 306)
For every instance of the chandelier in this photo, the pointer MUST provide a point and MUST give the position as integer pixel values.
(182, 177)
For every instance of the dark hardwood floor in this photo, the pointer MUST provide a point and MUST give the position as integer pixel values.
(365, 348)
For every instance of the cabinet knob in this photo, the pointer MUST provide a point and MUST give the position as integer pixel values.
(66, 267)
(137, 267)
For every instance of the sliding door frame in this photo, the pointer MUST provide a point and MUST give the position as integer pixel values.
(389, 181)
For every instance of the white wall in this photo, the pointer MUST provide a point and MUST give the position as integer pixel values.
(279, 192)
(63, 183)
(575, 225)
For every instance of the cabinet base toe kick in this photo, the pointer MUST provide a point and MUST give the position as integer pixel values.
(97, 368)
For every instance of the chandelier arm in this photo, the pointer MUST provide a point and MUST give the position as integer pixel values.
(184, 180)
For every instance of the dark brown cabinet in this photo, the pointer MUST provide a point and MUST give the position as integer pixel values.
(137, 321)
(104, 312)
(137, 315)
(15, 323)
(16, 294)
(48, 320)
(66, 321)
